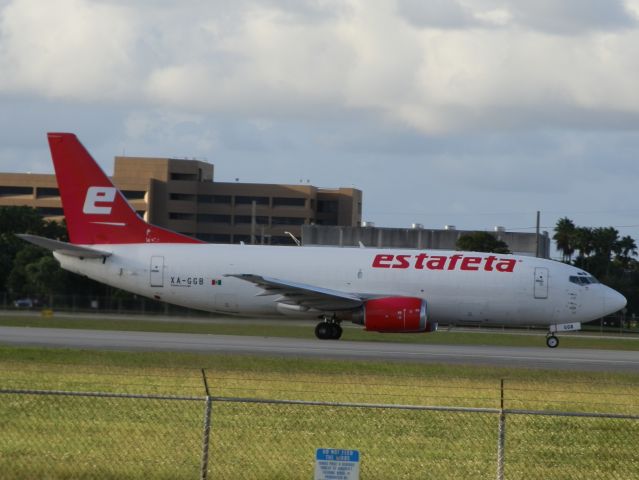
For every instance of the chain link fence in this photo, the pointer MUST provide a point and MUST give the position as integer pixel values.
(52, 434)
(99, 435)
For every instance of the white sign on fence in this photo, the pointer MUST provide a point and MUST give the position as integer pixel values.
(334, 464)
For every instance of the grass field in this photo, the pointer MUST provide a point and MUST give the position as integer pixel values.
(295, 330)
(123, 438)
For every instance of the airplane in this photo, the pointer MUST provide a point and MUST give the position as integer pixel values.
(384, 290)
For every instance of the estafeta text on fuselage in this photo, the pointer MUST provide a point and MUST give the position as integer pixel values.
(424, 261)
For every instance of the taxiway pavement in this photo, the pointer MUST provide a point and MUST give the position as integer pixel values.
(524, 357)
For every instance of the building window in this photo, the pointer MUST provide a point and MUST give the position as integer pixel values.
(214, 237)
(282, 240)
(223, 199)
(327, 206)
(192, 177)
(213, 218)
(186, 197)
(50, 211)
(243, 219)
(129, 194)
(14, 191)
(43, 192)
(325, 221)
(288, 221)
(247, 200)
(289, 202)
(241, 238)
(181, 216)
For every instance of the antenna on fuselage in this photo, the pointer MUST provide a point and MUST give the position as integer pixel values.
(297, 242)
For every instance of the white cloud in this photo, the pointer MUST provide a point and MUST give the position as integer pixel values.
(572, 16)
(67, 48)
(168, 133)
(433, 66)
(435, 13)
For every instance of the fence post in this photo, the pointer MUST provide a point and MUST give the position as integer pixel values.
(205, 439)
(207, 430)
(501, 437)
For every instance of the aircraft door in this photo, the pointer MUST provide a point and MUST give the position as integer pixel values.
(541, 282)
(157, 271)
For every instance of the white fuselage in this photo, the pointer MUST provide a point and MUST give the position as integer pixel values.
(467, 288)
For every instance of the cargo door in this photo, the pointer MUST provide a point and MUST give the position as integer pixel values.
(157, 271)
(541, 282)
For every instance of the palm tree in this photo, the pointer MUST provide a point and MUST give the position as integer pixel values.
(627, 248)
(565, 238)
(583, 241)
(605, 241)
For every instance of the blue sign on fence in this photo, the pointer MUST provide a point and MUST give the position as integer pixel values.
(335, 464)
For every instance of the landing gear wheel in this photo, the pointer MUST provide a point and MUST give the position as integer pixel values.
(336, 331)
(323, 330)
(328, 331)
(552, 341)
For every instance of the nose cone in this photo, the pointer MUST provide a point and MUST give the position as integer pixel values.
(613, 301)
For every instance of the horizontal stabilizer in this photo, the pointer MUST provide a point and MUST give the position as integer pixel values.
(63, 247)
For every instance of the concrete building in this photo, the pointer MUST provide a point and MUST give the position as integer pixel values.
(182, 195)
(418, 237)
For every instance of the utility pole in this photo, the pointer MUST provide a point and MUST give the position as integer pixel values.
(537, 246)
(253, 209)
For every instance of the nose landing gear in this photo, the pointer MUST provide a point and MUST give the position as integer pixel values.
(553, 341)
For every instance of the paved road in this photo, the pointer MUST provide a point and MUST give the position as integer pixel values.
(563, 359)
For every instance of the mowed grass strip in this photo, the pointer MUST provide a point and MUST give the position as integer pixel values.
(315, 379)
(62, 437)
(294, 330)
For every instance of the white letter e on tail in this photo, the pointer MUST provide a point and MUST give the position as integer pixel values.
(98, 194)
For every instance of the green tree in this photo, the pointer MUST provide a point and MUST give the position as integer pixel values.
(595, 249)
(565, 238)
(481, 242)
(45, 275)
(605, 241)
(583, 241)
(18, 281)
(16, 254)
(627, 248)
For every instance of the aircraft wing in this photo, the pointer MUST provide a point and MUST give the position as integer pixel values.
(63, 247)
(309, 296)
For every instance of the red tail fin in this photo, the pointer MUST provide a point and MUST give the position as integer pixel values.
(96, 212)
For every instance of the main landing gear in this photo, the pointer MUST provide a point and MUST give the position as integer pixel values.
(551, 340)
(328, 329)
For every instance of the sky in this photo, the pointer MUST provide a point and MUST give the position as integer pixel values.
(473, 113)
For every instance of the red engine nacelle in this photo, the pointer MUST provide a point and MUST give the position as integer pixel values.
(396, 314)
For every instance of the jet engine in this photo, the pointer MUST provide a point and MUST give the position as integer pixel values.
(395, 314)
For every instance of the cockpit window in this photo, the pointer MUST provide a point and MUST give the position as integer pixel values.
(583, 279)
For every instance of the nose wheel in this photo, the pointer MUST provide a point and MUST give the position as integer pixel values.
(552, 341)
(328, 330)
